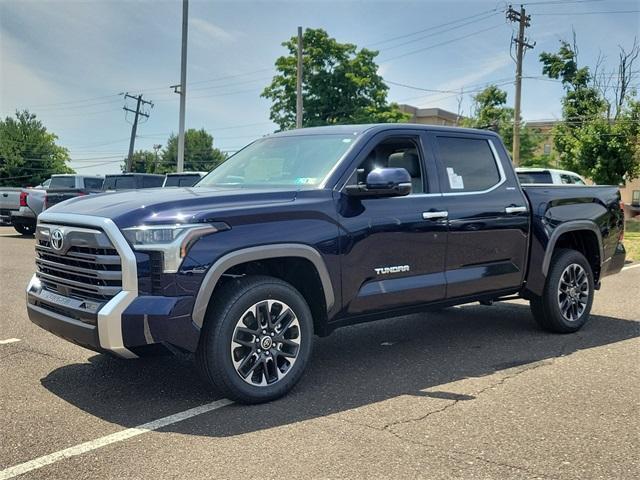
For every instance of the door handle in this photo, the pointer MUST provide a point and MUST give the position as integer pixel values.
(515, 209)
(434, 215)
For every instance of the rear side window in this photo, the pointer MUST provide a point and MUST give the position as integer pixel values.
(119, 183)
(62, 182)
(535, 177)
(150, 182)
(181, 180)
(468, 164)
(566, 179)
(93, 183)
(578, 180)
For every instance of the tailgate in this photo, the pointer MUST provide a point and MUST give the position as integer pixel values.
(10, 199)
(9, 202)
(56, 196)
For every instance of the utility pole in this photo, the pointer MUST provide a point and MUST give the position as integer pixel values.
(134, 127)
(156, 147)
(299, 82)
(183, 84)
(522, 44)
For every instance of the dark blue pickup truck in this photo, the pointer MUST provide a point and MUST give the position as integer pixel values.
(305, 231)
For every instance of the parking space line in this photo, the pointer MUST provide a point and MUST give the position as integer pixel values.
(631, 266)
(45, 460)
(9, 340)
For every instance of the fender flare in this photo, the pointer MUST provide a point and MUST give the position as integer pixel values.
(571, 226)
(250, 254)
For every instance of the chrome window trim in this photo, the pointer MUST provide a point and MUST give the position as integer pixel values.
(110, 315)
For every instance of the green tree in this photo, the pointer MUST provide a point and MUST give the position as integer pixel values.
(490, 112)
(588, 140)
(199, 152)
(144, 161)
(341, 85)
(28, 152)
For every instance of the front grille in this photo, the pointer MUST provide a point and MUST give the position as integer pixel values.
(87, 267)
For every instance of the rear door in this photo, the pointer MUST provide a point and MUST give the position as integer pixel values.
(487, 212)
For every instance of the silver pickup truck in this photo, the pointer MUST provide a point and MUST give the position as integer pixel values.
(20, 207)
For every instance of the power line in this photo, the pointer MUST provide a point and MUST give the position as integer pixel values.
(434, 27)
(556, 2)
(476, 20)
(586, 13)
(442, 43)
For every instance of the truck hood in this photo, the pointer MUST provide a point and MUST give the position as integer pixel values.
(170, 205)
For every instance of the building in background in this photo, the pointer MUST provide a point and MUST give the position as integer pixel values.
(431, 116)
(544, 128)
(631, 198)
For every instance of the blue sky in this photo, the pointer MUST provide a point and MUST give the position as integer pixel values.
(67, 61)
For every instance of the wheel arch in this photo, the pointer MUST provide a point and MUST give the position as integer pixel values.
(581, 235)
(265, 253)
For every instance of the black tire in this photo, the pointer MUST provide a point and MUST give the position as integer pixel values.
(576, 307)
(25, 229)
(232, 304)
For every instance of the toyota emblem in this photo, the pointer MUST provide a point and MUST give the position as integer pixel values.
(57, 239)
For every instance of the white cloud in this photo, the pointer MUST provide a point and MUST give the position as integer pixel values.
(476, 75)
(208, 29)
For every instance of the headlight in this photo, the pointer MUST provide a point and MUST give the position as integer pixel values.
(172, 240)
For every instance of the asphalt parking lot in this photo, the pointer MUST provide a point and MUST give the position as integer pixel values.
(469, 392)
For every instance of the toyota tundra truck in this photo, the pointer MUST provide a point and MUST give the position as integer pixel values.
(305, 231)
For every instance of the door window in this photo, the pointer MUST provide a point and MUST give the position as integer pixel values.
(393, 152)
(577, 180)
(468, 164)
(566, 179)
(93, 183)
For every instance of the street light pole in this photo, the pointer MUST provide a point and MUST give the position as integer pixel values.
(183, 85)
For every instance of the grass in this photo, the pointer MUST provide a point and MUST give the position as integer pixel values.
(632, 226)
(632, 244)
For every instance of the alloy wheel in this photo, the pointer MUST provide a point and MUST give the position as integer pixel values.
(573, 292)
(265, 343)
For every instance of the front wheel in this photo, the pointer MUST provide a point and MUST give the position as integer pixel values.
(565, 304)
(256, 340)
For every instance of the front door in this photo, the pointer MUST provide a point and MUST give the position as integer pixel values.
(393, 248)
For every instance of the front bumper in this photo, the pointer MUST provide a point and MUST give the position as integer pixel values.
(108, 321)
(126, 323)
(147, 320)
(64, 327)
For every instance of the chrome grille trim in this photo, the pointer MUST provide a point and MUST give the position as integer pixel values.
(82, 277)
(110, 314)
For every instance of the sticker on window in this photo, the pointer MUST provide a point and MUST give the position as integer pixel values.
(306, 180)
(455, 180)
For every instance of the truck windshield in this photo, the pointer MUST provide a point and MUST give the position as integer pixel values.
(301, 160)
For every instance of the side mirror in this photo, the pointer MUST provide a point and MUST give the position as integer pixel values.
(383, 182)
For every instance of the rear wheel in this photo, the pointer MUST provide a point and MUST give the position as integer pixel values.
(565, 304)
(24, 228)
(256, 341)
